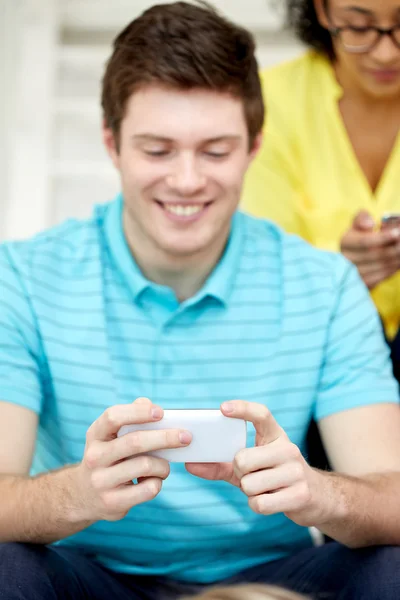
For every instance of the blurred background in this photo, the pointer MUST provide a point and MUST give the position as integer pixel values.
(52, 54)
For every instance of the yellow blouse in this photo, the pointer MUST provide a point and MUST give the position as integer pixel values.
(307, 177)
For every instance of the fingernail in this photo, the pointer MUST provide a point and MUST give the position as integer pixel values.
(396, 233)
(368, 222)
(185, 437)
(156, 413)
(227, 407)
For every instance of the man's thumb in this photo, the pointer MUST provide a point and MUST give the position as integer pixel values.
(363, 221)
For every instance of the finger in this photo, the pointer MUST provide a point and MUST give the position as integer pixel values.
(103, 454)
(142, 400)
(363, 221)
(126, 471)
(379, 267)
(287, 500)
(276, 453)
(271, 480)
(386, 254)
(213, 471)
(107, 425)
(267, 429)
(374, 279)
(375, 256)
(122, 499)
(357, 241)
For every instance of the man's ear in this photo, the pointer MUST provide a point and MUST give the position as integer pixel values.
(110, 144)
(256, 146)
(320, 9)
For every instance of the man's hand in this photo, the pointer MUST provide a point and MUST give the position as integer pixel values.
(273, 474)
(376, 254)
(104, 485)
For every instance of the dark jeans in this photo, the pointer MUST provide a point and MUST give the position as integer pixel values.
(395, 355)
(29, 572)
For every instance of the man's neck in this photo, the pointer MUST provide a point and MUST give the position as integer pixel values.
(185, 275)
(185, 283)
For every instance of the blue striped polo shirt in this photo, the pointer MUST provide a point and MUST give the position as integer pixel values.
(277, 322)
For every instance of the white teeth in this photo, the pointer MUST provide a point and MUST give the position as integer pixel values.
(183, 211)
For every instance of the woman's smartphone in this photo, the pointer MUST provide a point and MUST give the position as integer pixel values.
(216, 438)
(390, 220)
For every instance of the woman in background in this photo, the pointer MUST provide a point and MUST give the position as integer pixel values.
(329, 168)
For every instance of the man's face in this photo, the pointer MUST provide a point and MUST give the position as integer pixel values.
(377, 72)
(182, 159)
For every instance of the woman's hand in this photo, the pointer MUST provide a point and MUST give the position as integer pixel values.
(376, 254)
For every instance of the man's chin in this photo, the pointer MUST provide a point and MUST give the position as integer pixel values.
(182, 251)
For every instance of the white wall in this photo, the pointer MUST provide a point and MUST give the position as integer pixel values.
(52, 52)
(31, 37)
(7, 86)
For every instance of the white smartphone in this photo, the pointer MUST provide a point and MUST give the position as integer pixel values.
(216, 438)
(390, 220)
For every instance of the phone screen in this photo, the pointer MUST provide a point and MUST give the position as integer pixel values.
(390, 220)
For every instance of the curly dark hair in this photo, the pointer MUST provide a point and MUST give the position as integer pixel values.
(303, 19)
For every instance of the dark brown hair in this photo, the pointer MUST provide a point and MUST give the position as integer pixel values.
(183, 46)
(303, 18)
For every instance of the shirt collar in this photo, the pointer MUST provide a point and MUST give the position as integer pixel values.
(119, 250)
(218, 285)
(220, 282)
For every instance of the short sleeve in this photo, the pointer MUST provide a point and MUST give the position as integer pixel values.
(20, 348)
(357, 369)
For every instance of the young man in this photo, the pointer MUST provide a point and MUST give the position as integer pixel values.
(169, 298)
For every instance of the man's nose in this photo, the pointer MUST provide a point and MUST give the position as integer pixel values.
(186, 177)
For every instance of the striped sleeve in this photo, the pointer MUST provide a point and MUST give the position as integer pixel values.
(357, 369)
(20, 377)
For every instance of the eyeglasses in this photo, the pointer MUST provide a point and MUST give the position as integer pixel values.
(359, 40)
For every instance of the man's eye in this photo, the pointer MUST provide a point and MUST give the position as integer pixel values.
(217, 154)
(156, 152)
